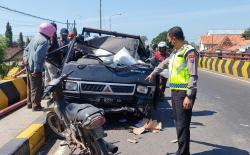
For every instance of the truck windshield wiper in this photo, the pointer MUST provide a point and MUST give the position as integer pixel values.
(100, 60)
(140, 64)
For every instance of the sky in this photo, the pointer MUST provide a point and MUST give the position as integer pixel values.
(140, 17)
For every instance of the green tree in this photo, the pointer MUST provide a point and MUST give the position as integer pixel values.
(8, 35)
(75, 30)
(246, 34)
(3, 69)
(20, 40)
(161, 37)
(27, 41)
(2, 48)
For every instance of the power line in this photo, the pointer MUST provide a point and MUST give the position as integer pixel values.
(30, 15)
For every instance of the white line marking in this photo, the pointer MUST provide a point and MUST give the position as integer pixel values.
(227, 76)
(245, 125)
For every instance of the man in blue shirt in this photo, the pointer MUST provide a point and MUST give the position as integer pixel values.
(34, 58)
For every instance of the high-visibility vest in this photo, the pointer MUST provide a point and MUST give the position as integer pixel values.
(179, 75)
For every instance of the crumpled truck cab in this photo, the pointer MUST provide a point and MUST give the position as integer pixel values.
(109, 72)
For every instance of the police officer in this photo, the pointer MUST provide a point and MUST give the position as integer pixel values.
(183, 78)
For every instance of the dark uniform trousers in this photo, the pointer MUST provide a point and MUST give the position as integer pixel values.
(163, 82)
(182, 119)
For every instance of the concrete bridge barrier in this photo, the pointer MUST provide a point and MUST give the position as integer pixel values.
(237, 68)
(12, 91)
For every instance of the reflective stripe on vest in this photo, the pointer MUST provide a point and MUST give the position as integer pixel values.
(179, 75)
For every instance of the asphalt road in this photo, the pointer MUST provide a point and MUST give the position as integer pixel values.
(220, 123)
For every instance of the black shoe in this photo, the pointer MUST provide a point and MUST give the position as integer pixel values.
(29, 106)
(37, 108)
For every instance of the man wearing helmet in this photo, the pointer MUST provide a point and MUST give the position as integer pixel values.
(34, 58)
(158, 56)
(63, 41)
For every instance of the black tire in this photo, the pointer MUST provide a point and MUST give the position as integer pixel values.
(96, 146)
(57, 128)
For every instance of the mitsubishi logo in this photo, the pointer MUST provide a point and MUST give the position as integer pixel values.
(107, 89)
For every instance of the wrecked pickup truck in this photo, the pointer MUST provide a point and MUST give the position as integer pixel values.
(109, 72)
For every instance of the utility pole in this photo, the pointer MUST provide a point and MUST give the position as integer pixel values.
(110, 23)
(67, 24)
(100, 14)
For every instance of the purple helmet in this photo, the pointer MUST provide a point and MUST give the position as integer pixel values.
(47, 29)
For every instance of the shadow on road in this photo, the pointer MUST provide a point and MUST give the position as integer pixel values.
(162, 113)
(197, 124)
(47, 147)
(119, 122)
(203, 113)
(220, 150)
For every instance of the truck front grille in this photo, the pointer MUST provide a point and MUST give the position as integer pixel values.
(107, 88)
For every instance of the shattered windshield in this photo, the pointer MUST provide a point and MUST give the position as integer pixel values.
(115, 44)
(112, 51)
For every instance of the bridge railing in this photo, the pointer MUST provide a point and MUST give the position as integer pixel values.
(227, 55)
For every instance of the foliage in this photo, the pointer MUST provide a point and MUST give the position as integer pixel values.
(20, 40)
(161, 37)
(8, 35)
(27, 41)
(3, 68)
(246, 34)
(2, 48)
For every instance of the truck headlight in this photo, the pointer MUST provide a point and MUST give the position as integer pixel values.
(72, 86)
(142, 89)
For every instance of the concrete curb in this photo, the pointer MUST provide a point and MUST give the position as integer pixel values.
(30, 140)
(236, 68)
(12, 92)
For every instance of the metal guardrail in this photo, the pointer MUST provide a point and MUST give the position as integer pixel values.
(227, 55)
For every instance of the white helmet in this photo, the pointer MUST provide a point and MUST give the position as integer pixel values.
(162, 44)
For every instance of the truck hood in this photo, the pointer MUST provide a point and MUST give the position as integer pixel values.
(96, 72)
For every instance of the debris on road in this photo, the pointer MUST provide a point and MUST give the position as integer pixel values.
(138, 131)
(132, 141)
(174, 141)
(147, 125)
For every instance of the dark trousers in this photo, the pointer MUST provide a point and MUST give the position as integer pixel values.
(163, 82)
(182, 119)
(28, 88)
(36, 90)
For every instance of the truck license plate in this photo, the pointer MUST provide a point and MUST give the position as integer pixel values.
(108, 100)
